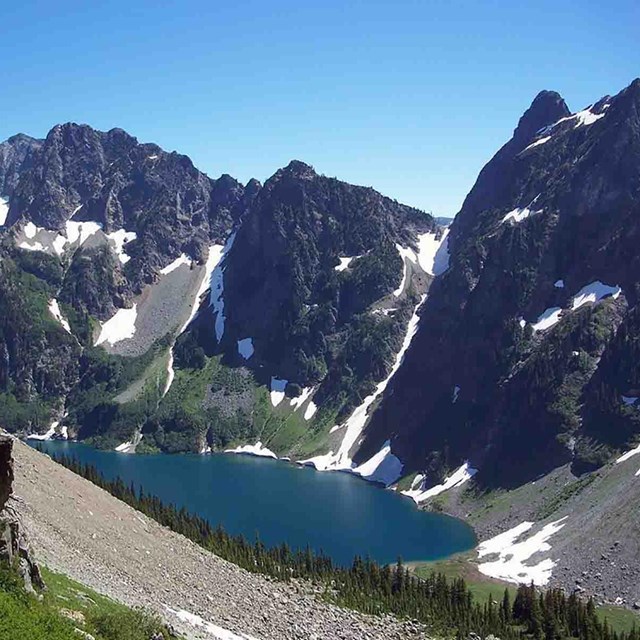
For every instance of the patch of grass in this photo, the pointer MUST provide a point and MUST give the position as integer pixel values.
(620, 619)
(483, 588)
(461, 566)
(98, 615)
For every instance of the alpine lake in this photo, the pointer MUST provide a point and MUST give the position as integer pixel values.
(336, 513)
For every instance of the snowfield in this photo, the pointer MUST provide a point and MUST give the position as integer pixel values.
(171, 374)
(45, 436)
(594, 292)
(547, 319)
(419, 493)
(433, 253)
(121, 326)
(513, 563)
(383, 467)
(254, 450)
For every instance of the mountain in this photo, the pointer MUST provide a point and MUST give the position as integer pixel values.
(124, 267)
(527, 343)
(149, 305)
(93, 220)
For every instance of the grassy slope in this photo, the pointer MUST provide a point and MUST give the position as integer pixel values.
(66, 606)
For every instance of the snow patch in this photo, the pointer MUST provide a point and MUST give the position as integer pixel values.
(245, 347)
(81, 231)
(456, 393)
(171, 374)
(45, 436)
(219, 633)
(256, 449)
(182, 259)
(594, 292)
(217, 289)
(512, 555)
(36, 246)
(518, 215)
(310, 411)
(356, 422)
(537, 143)
(345, 262)
(629, 400)
(55, 312)
(456, 479)
(559, 284)
(587, 117)
(383, 467)
(125, 446)
(547, 319)
(302, 398)
(213, 258)
(216, 252)
(4, 211)
(430, 256)
(30, 230)
(121, 326)
(119, 239)
(406, 254)
(277, 391)
(625, 456)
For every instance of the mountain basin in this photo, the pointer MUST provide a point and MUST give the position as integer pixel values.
(337, 513)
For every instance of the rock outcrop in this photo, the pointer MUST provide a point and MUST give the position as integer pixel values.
(14, 546)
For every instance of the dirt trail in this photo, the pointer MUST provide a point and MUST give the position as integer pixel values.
(80, 530)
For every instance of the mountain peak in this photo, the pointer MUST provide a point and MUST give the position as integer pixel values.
(300, 169)
(547, 107)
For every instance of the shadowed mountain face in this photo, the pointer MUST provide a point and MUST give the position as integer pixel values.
(281, 283)
(528, 343)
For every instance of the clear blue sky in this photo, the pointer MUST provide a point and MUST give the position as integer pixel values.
(409, 97)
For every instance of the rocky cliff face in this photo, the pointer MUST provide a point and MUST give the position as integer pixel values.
(513, 364)
(16, 156)
(14, 548)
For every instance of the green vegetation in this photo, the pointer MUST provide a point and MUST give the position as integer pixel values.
(65, 607)
(444, 602)
(38, 358)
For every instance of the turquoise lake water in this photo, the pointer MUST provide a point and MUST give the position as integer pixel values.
(334, 512)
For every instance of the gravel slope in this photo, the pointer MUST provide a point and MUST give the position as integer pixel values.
(80, 530)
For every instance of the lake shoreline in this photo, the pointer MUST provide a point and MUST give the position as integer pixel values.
(351, 510)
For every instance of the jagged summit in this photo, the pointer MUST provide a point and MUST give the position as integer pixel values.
(547, 107)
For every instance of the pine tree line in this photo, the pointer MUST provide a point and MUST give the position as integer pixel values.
(446, 605)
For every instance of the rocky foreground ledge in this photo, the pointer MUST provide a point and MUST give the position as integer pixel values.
(78, 529)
